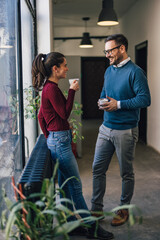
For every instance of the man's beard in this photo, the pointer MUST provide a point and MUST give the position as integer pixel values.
(116, 61)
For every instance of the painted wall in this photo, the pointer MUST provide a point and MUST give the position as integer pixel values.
(44, 28)
(138, 24)
(44, 23)
(141, 24)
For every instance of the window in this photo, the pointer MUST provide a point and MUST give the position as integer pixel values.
(10, 160)
(17, 135)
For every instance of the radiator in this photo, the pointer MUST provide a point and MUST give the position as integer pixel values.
(38, 167)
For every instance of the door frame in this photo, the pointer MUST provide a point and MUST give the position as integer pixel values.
(143, 111)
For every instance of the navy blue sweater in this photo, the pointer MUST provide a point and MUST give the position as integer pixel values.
(127, 84)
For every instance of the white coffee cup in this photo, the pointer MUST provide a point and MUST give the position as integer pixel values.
(72, 80)
(102, 101)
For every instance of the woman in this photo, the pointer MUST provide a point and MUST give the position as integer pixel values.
(53, 116)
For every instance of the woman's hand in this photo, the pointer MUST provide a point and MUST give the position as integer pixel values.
(74, 85)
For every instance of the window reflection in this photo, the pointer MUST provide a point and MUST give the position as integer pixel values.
(9, 113)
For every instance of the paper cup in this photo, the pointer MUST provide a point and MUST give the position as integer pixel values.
(72, 80)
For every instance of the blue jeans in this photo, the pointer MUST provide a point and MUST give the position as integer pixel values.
(123, 142)
(59, 144)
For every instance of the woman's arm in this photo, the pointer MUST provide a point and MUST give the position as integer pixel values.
(62, 106)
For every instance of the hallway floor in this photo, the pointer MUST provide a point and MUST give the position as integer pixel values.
(147, 187)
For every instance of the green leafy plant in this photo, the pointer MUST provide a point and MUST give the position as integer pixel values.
(46, 214)
(31, 103)
(46, 217)
(31, 106)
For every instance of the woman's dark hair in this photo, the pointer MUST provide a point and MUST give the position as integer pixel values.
(42, 67)
(120, 39)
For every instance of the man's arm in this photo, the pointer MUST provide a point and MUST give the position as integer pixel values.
(142, 95)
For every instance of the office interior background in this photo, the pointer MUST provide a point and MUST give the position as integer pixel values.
(31, 27)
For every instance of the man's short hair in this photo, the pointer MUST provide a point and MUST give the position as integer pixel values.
(120, 39)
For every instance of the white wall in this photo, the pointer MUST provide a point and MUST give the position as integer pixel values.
(141, 23)
(44, 26)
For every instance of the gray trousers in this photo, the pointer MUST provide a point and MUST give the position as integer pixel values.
(123, 142)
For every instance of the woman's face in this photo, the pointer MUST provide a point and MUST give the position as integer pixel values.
(62, 70)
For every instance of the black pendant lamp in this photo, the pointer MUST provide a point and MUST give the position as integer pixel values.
(86, 41)
(107, 16)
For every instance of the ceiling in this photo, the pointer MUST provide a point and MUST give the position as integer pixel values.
(70, 12)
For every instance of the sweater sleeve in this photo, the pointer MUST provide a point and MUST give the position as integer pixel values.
(141, 90)
(62, 106)
(42, 123)
(103, 93)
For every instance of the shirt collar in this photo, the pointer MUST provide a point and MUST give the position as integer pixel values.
(122, 63)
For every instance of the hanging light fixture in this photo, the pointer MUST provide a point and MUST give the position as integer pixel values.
(86, 41)
(107, 16)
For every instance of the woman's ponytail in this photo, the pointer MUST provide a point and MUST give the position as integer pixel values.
(42, 68)
(38, 71)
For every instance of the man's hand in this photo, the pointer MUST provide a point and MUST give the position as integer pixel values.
(109, 106)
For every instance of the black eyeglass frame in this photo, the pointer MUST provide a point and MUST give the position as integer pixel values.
(109, 51)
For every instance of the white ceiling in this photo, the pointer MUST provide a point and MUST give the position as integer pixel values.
(70, 12)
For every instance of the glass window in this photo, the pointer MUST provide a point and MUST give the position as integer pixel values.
(10, 163)
(15, 77)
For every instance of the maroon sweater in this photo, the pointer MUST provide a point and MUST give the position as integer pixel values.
(55, 108)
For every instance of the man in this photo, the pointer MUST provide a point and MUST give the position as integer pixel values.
(125, 87)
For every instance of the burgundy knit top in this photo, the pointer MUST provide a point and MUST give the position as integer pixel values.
(55, 108)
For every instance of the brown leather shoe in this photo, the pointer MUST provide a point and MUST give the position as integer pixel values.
(120, 218)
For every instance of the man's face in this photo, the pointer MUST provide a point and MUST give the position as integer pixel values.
(113, 52)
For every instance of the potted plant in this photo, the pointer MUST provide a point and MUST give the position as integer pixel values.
(31, 105)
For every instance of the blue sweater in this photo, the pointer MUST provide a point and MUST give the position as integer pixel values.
(127, 84)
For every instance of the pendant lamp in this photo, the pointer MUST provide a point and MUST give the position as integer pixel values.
(86, 41)
(107, 16)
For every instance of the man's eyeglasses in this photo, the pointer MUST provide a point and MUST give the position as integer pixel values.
(109, 52)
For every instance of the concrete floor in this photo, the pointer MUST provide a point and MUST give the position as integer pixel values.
(147, 187)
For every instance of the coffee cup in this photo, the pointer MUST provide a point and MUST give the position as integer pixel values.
(102, 101)
(72, 80)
